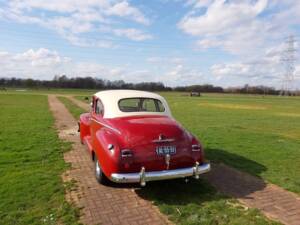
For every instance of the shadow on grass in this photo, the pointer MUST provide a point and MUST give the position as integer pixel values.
(234, 160)
(239, 179)
(223, 178)
(178, 192)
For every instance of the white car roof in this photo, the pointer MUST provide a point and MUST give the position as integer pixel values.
(110, 100)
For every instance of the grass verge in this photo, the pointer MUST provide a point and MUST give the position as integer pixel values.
(86, 99)
(31, 164)
(72, 107)
(197, 203)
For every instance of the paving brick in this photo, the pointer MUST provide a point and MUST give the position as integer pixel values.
(272, 200)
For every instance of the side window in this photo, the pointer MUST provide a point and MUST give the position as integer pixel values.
(149, 105)
(99, 109)
(160, 106)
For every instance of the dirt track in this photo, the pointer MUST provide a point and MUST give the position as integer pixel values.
(100, 204)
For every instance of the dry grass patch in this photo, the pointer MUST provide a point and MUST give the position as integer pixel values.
(288, 114)
(234, 106)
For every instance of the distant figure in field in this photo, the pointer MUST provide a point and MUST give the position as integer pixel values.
(195, 94)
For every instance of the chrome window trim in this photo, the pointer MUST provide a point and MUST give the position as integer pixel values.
(107, 126)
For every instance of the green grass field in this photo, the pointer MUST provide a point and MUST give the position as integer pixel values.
(73, 109)
(31, 164)
(259, 135)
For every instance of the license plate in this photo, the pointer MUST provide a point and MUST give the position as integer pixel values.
(164, 150)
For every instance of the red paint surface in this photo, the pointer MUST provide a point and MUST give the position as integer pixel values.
(137, 134)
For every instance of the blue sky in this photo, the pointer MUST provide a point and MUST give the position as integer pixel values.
(177, 42)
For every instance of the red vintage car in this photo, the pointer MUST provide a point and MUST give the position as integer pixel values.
(133, 138)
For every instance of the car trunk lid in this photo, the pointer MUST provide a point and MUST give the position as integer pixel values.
(157, 143)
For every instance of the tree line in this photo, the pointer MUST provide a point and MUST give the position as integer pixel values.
(81, 83)
(101, 84)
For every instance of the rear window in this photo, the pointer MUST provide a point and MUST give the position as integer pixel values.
(141, 105)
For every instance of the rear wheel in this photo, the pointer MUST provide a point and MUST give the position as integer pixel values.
(100, 176)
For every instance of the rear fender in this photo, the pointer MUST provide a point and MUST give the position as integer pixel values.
(108, 158)
(84, 125)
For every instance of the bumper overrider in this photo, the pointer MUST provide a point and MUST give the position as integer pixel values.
(142, 177)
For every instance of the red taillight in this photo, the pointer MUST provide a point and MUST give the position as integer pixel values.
(126, 158)
(196, 148)
(125, 153)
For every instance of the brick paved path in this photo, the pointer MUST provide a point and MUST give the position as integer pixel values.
(273, 201)
(100, 204)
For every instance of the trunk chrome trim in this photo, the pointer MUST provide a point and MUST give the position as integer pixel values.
(142, 177)
(163, 140)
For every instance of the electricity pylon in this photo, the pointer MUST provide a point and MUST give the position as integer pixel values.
(288, 58)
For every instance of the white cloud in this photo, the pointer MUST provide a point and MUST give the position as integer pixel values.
(123, 9)
(254, 31)
(231, 69)
(70, 24)
(133, 34)
(84, 42)
(297, 72)
(202, 3)
(268, 70)
(175, 71)
(221, 16)
(181, 75)
(240, 27)
(197, 3)
(40, 58)
(153, 59)
(165, 60)
(72, 18)
(44, 64)
(175, 75)
(65, 6)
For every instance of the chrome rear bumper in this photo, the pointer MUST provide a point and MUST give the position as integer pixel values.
(143, 176)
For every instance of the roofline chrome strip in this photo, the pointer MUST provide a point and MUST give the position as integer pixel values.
(107, 126)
